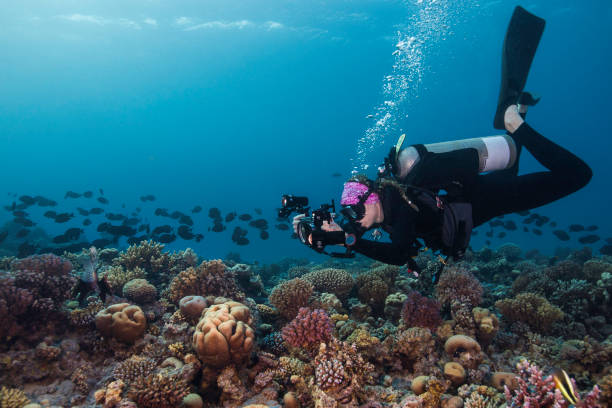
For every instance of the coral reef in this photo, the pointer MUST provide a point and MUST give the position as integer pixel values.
(288, 297)
(531, 309)
(140, 291)
(308, 329)
(421, 311)
(122, 321)
(210, 278)
(330, 280)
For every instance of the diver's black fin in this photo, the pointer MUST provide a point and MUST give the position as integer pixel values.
(520, 45)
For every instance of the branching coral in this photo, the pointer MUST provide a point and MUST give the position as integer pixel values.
(308, 329)
(288, 297)
(134, 369)
(531, 309)
(533, 389)
(209, 278)
(421, 311)
(330, 280)
(117, 276)
(457, 284)
(159, 391)
(417, 347)
(12, 398)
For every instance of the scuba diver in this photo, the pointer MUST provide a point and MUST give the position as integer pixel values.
(439, 192)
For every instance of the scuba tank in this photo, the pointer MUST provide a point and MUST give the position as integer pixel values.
(494, 153)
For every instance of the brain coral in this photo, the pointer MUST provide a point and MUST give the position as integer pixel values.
(531, 309)
(209, 278)
(140, 291)
(289, 296)
(330, 280)
(224, 335)
(122, 321)
(308, 329)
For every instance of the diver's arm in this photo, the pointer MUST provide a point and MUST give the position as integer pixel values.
(441, 169)
(386, 252)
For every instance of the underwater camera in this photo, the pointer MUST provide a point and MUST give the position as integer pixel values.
(310, 228)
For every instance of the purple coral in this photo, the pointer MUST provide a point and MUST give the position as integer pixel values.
(308, 329)
(48, 264)
(421, 311)
(533, 389)
(459, 285)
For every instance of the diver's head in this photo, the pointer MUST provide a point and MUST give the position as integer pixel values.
(361, 202)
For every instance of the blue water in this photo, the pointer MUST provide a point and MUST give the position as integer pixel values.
(231, 104)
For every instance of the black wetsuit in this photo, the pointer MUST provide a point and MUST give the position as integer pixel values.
(490, 195)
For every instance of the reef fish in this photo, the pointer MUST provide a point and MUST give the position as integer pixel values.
(589, 239)
(562, 235)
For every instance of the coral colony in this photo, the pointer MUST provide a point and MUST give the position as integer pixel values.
(175, 331)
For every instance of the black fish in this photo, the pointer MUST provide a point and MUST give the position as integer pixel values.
(103, 227)
(196, 209)
(605, 250)
(285, 227)
(163, 229)
(576, 228)
(589, 239)
(88, 194)
(488, 243)
(609, 241)
(501, 234)
(537, 231)
(528, 220)
(21, 206)
(20, 214)
(239, 236)
(24, 221)
(149, 197)
(259, 223)
(101, 191)
(510, 225)
(218, 227)
(71, 194)
(230, 217)
(336, 175)
(50, 214)
(101, 242)
(119, 230)
(102, 200)
(27, 200)
(176, 215)
(63, 217)
(523, 213)
(214, 213)
(45, 202)
(264, 235)
(96, 210)
(115, 217)
(562, 235)
(3, 235)
(186, 220)
(60, 239)
(144, 227)
(496, 223)
(489, 234)
(167, 238)
(131, 221)
(185, 232)
(83, 212)
(198, 237)
(22, 233)
(86, 222)
(591, 228)
(162, 212)
(244, 217)
(73, 233)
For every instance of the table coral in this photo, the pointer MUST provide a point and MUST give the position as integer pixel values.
(288, 297)
(224, 335)
(308, 329)
(209, 278)
(330, 280)
(122, 321)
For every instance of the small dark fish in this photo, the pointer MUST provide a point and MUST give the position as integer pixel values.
(102, 200)
(591, 228)
(96, 210)
(562, 235)
(196, 209)
(20, 214)
(576, 228)
(131, 221)
(488, 243)
(167, 238)
(489, 234)
(185, 232)
(605, 250)
(528, 220)
(22, 233)
(244, 217)
(163, 229)
(609, 241)
(214, 213)
(146, 198)
(259, 223)
(176, 215)
(510, 225)
(136, 240)
(336, 174)
(71, 194)
(119, 230)
(3, 235)
(198, 237)
(230, 217)
(86, 222)
(186, 220)
(88, 194)
(589, 239)
(115, 217)
(101, 242)
(242, 241)
(103, 227)
(45, 202)
(537, 231)
(21, 206)
(50, 214)
(101, 191)
(264, 235)
(553, 224)
(258, 211)
(523, 213)
(285, 227)
(144, 227)
(27, 200)
(496, 223)
(161, 212)
(63, 217)
(24, 221)
(218, 227)
(73, 233)
(501, 234)
(60, 239)
(83, 212)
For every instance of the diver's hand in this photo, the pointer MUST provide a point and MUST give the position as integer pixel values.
(331, 226)
(296, 221)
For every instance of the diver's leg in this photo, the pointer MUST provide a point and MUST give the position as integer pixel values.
(495, 195)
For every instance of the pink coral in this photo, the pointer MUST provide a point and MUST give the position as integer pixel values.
(421, 311)
(459, 285)
(308, 329)
(48, 264)
(533, 390)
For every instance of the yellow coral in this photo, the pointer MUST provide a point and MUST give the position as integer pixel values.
(431, 397)
(178, 349)
(487, 323)
(117, 276)
(362, 339)
(209, 278)
(12, 398)
(293, 366)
